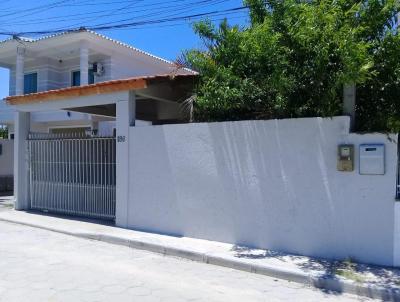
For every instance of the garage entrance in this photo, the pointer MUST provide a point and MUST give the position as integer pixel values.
(73, 173)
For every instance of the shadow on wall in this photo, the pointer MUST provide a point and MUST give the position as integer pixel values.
(277, 179)
(153, 183)
(266, 184)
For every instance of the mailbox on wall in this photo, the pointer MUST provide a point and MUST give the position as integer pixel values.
(372, 159)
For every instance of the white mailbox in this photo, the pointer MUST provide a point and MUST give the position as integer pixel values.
(372, 159)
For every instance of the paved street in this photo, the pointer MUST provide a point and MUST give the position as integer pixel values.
(6, 202)
(38, 265)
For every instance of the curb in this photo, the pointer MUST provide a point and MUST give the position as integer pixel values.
(327, 283)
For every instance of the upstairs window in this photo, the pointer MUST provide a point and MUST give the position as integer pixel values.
(76, 78)
(30, 83)
(91, 76)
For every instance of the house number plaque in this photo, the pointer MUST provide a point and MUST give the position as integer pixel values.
(121, 139)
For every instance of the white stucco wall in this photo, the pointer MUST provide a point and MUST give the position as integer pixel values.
(7, 157)
(107, 128)
(126, 67)
(397, 235)
(269, 184)
(55, 74)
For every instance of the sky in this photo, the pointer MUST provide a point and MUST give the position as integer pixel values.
(166, 39)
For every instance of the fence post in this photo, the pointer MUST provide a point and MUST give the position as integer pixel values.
(21, 171)
(349, 103)
(126, 115)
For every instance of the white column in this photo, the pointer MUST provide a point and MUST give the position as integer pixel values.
(84, 64)
(349, 103)
(21, 175)
(126, 114)
(19, 71)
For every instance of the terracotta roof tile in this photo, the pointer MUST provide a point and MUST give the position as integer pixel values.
(98, 88)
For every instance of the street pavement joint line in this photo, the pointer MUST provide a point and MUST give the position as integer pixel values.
(325, 283)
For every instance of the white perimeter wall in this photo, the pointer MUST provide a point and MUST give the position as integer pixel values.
(397, 235)
(268, 184)
(7, 158)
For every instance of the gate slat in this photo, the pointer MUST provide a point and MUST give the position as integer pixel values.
(72, 174)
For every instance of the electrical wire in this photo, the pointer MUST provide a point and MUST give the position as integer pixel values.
(120, 23)
(34, 10)
(95, 14)
(175, 10)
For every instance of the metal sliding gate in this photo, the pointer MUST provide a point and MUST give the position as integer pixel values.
(73, 174)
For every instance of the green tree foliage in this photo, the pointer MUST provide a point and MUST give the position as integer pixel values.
(378, 99)
(293, 59)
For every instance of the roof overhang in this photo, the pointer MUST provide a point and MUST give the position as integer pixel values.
(160, 87)
(79, 91)
(66, 45)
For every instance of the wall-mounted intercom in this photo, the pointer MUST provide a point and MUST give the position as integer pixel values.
(345, 158)
(372, 159)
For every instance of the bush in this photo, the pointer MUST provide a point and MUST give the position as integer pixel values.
(294, 58)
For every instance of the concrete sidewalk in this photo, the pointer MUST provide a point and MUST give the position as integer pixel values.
(362, 280)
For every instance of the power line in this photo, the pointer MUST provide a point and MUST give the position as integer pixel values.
(181, 23)
(188, 17)
(34, 10)
(112, 12)
(81, 16)
(167, 17)
(184, 8)
(63, 18)
(105, 26)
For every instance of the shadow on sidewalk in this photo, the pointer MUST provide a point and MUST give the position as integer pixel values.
(385, 277)
(73, 218)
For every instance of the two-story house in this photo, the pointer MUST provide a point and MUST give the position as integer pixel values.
(64, 85)
(73, 59)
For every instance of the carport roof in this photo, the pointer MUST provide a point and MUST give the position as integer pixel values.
(133, 83)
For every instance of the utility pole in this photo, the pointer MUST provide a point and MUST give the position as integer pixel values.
(349, 103)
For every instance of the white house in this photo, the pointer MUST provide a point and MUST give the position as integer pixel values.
(79, 79)
(67, 60)
(75, 59)
(305, 186)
